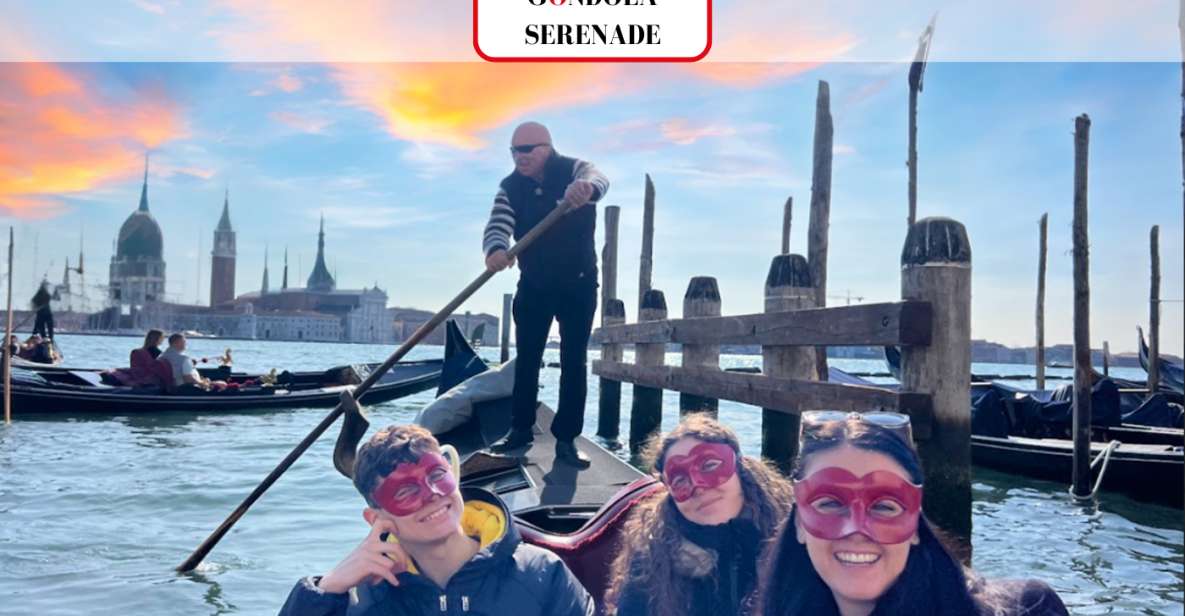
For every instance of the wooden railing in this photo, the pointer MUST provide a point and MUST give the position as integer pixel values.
(931, 324)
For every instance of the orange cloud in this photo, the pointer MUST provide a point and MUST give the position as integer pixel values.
(451, 103)
(62, 136)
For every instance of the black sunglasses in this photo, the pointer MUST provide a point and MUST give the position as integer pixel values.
(526, 148)
(896, 423)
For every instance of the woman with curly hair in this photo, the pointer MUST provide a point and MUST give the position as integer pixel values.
(856, 542)
(692, 546)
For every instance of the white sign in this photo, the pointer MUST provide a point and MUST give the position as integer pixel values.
(583, 30)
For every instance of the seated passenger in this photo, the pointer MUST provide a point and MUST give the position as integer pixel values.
(692, 547)
(185, 374)
(29, 348)
(856, 541)
(14, 345)
(142, 370)
(434, 548)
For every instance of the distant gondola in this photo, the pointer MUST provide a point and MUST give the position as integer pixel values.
(65, 391)
(1172, 375)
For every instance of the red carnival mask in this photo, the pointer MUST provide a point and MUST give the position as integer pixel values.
(410, 486)
(707, 465)
(833, 503)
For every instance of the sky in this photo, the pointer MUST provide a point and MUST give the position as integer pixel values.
(403, 158)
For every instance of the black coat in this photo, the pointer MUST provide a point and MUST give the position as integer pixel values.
(719, 584)
(506, 577)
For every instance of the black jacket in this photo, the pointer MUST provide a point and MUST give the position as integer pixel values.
(506, 577)
(566, 254)
(720, 582)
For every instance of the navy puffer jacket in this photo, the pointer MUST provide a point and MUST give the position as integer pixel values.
(506, 576)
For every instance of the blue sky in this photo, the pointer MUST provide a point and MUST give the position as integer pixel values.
(995, 152)
(403, 160)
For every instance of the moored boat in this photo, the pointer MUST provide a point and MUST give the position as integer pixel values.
(59, 391)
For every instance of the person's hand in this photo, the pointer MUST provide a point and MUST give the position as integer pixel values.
(498, 261)
(373, 560)
(578, 193)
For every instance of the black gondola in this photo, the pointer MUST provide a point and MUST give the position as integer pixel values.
(61, 391)
(1148, 464)
(1172, 375)
(1152, 473)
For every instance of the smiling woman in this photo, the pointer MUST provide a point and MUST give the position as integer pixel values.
(856, 542)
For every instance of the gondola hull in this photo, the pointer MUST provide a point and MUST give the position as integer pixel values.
(1150, 473)
(56, 399)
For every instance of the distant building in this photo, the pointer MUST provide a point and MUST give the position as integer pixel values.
(294, 313)
(222, 259)
(137, 273)
(407, 320)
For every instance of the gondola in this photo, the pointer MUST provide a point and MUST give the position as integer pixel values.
(1150, 473)
(1121, 409)
(576, 514)
(1148, 464)
(59, 391)
(1172, 375)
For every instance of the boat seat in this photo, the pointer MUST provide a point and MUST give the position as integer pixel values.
(92, 378)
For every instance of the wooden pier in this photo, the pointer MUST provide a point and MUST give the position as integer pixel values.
(931, 323)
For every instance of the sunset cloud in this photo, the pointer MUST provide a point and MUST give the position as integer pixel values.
(61, 135)
(452, 103)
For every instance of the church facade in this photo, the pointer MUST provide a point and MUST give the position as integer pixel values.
(137, 271)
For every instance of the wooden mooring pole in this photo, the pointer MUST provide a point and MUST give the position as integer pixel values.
(821, 208)
(1042, 250)
(787, 215)
(701, 300)
(646, 412)
(1154, 311)
(1106, 358)
(507, 317)
(609, 254)
(609, 402)
(936, 268)
(1082, 368)
(647, 265)
(7, 338)
(612, 313)
(787, 287)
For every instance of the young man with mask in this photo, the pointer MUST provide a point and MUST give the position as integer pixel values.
(434, 548)
(558, 280)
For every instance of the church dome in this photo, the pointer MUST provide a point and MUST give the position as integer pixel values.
(140, 238)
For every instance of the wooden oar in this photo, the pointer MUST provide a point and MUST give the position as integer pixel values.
(420, 333)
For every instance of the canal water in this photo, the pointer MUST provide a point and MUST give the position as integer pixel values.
(95, 512)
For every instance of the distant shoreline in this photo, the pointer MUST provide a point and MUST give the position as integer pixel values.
(1121, 361)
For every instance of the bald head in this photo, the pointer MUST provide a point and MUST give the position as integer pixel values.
(530, 132)
(531, 147)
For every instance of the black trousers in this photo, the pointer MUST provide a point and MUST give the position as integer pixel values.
(43, 324)
(572, 305)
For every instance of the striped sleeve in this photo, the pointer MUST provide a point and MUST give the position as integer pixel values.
(585, 170)
(501, 225)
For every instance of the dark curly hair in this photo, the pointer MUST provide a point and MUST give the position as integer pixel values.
(387, 449)
(651, 535)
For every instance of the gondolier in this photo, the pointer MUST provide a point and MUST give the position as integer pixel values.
(558, 279)
(43, 322)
